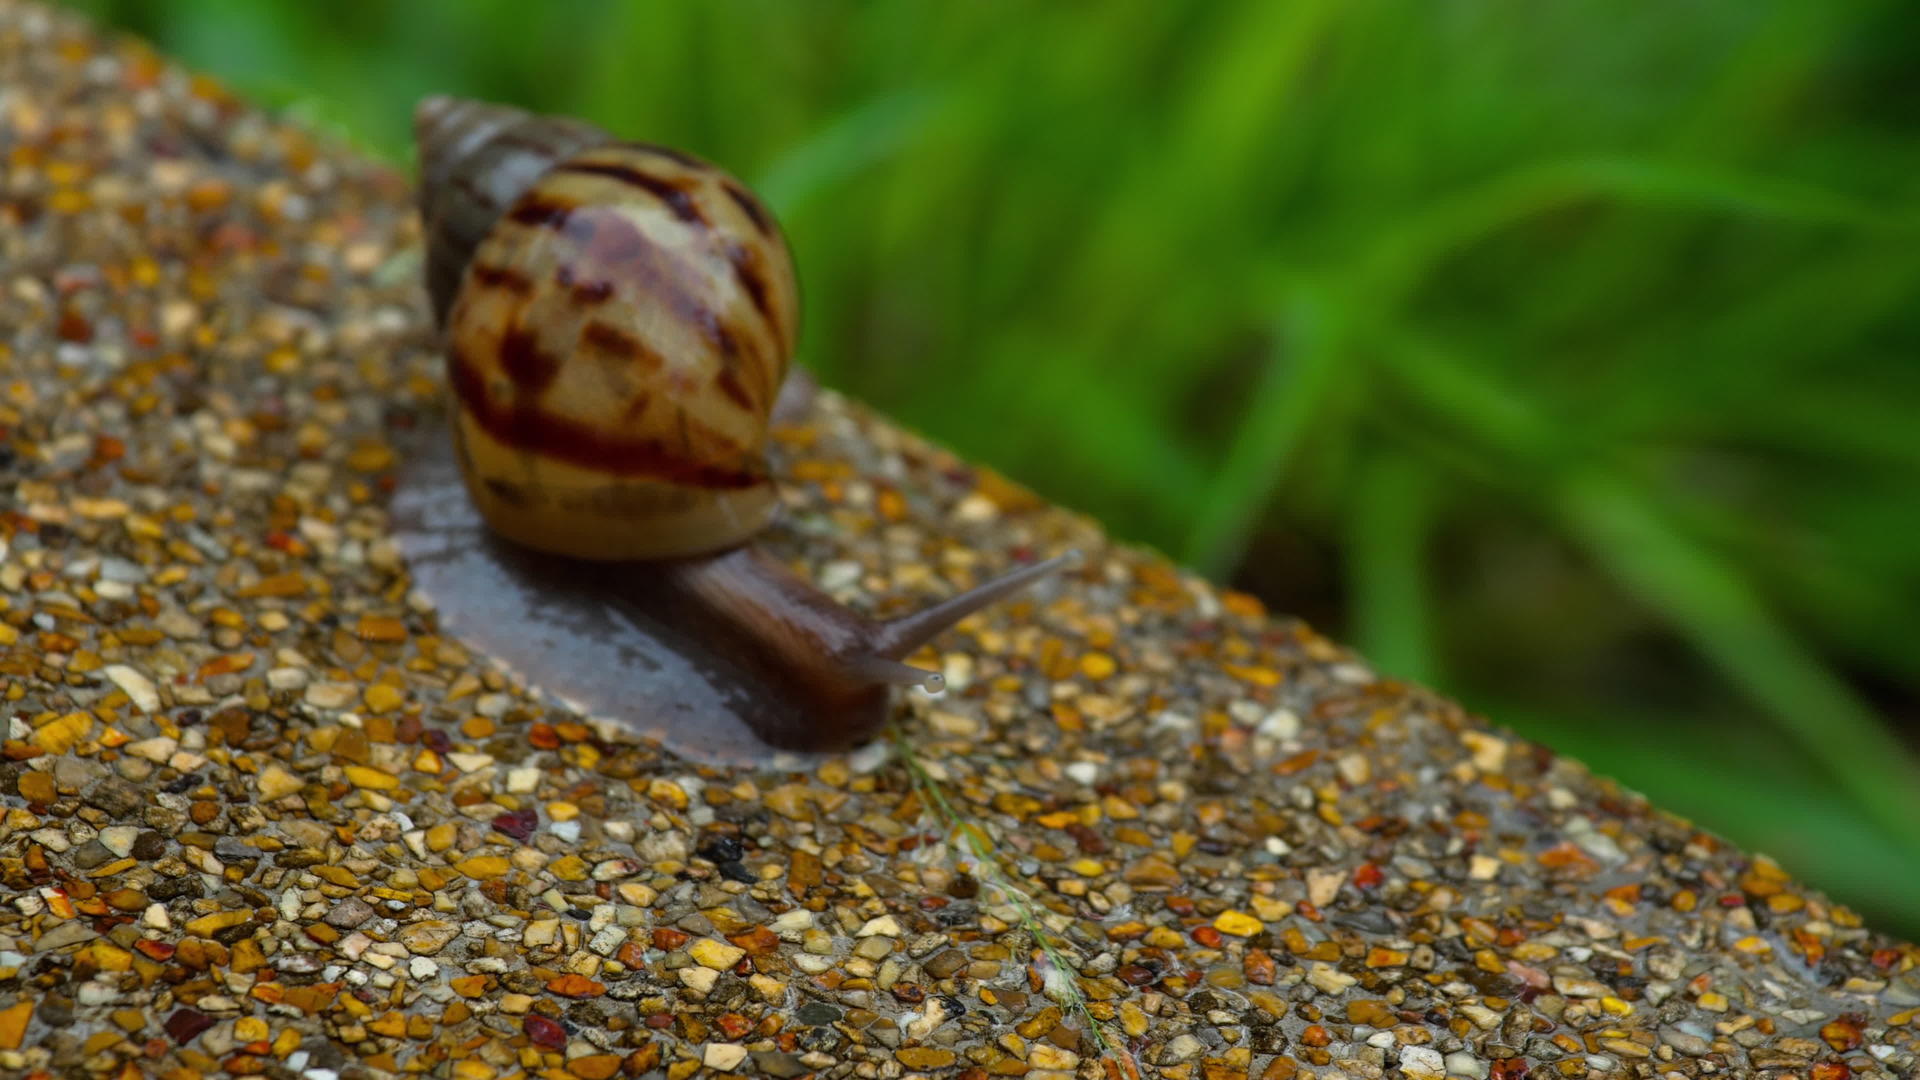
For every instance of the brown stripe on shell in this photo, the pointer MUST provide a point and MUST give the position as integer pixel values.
(615, 247)
(592, 293)
(531, 368)
(750, 206)
(584, 293)
(746, 270)
(541, 212)
(613, 340)
(729, 383)
(733, 358)
(511, 494)
(504, 278)
(675, 197)
(590, 446)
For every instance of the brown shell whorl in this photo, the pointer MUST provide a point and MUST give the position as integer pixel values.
(619, 318)
(476, 159)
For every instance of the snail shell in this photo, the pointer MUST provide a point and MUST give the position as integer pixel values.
(618, 319)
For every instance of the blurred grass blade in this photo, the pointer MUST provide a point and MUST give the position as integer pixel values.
(866, 134)
(1406, 255)
(1387, 533)
(1300, 376)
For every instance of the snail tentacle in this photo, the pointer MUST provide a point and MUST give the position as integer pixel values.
(880, 670)
(897, 638)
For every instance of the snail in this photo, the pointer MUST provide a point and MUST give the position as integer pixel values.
(618, 320)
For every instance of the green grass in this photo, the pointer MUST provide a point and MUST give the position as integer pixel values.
(1577, 345)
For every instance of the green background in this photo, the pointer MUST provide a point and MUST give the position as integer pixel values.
(1562, 356)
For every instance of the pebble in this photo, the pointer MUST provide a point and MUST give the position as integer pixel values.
(715, 954)
(119, 839)
(275, 782)
(13, 1024)
(158, 750)
(349, 913)
(701, 980)
(332, 695)
(36, 787)
(1422, 1063)
(137, 686)
(426, 937)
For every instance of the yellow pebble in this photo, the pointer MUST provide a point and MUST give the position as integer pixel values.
(715, 954)
(208, 925)
(668, 792)
(383, 698)
(370, 457)
(63, 734)
(468, 986)
(1238, 923)
(361, 776)
(1096, 665)
(1259, 676)
(107, 956)
(483, 867)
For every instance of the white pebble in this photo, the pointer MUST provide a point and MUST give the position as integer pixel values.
(332, 695)
(118, 839)
(156, 750)
(137, 686)
(791, 924)
(1423, 1062)
(1280, 724)
(885, 925)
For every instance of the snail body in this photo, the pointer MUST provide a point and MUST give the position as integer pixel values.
(618, 320)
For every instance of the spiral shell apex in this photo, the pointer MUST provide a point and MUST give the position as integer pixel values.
(619, 318)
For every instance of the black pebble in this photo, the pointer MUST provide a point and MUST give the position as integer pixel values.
(815, 1013)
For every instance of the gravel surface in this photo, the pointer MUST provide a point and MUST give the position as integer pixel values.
(261, 818)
